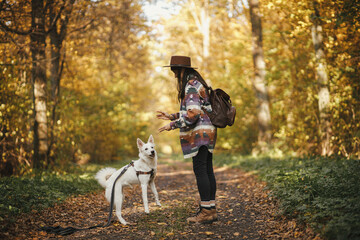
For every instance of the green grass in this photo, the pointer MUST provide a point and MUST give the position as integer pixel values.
(27, 193)
(323, 192)
(168, 221)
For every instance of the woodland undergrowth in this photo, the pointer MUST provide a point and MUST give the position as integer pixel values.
(322, 192)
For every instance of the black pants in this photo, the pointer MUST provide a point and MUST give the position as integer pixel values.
(205, 178)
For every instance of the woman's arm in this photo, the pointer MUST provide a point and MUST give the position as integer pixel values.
(165, 116)
(174, 116)
(192, 108)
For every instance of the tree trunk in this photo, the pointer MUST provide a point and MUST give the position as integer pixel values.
(39, 80)
(57, 36)
(264, 118)
(205, 20)
(55, 64)
(202, 21)
(54, 79)
(323, 83)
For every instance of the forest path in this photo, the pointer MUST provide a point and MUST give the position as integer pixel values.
(244, 207)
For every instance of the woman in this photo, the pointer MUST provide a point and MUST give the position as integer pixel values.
(197, 134)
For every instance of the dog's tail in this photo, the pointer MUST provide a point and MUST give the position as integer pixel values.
(103, 175)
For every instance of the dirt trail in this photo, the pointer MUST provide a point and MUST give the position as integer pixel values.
(245, 212)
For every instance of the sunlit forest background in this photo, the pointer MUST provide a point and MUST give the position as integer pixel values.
(80, 81)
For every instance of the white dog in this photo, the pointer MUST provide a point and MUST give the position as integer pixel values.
(141, 171)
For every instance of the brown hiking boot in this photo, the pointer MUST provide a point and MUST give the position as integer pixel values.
(203, 216)
(214, 214)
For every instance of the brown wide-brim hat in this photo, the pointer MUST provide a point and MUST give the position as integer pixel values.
(180, 61)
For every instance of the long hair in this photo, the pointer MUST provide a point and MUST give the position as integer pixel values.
(183, 78)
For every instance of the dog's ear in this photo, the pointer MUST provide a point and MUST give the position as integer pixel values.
(151, 139)
(140, 143)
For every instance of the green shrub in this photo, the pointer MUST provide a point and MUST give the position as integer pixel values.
(23, 194)
(20, 195)
(323, 192)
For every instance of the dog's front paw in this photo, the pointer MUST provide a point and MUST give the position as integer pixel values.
(147, 211)
(123, 222)
(158, 203)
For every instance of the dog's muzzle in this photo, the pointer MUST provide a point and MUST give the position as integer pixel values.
(152, 154)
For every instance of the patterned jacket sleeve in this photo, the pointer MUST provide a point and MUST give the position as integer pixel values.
(191, 113)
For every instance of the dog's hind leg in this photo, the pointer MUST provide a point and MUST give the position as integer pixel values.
(145, 197)
(153, 189)
(119, 198)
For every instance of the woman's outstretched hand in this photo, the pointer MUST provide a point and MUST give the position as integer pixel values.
(163, 115)
(166, 127)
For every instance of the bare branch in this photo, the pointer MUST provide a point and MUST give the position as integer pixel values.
(16, 43)
(6, 28)
(53, 24)
(64, 23)
(62, 65)
(195, 15)
(83, 27)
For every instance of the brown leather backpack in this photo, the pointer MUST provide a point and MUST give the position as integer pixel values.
(223, 112)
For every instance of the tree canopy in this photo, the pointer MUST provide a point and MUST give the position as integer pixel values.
(102, 78)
